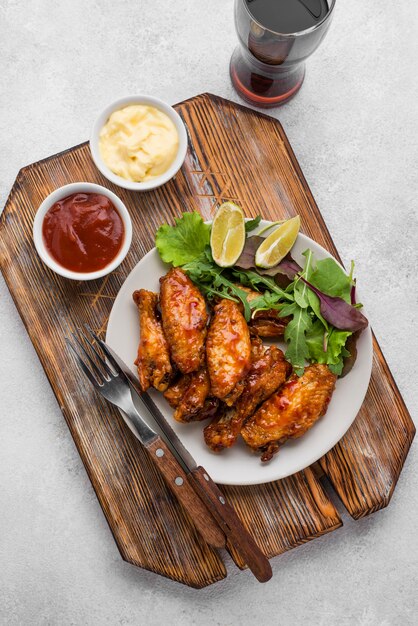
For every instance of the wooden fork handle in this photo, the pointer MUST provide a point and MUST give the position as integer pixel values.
(236, 534)
(182, 488)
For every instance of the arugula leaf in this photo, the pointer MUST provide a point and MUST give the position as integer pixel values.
(183, 242)
(297, 350)
(252, 224)
(266, 301)
(253, 279)
(210, 292)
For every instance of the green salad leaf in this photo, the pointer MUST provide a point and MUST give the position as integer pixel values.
(315, 305)
(295, 335)
(327, 346)
(265, 302)
(252, 224)
(183, 242)
(255, 281)
(301, 290)
(331, 279)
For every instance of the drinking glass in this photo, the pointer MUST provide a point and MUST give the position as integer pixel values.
(268, 67)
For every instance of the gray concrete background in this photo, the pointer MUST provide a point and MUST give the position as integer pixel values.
(353, 127)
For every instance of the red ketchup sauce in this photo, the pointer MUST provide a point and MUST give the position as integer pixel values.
(83, 232)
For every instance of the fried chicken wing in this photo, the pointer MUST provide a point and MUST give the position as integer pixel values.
(190, 397)
(228, 351)
(176, 390)
(219, 434)
(268, 372)
(290, 412)
(190, 408)
(153, 360)
(184, 318)
(209, 409)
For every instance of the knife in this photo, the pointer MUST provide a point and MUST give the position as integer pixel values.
(209, 493)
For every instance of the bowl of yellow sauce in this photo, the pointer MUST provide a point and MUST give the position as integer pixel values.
(138, 142)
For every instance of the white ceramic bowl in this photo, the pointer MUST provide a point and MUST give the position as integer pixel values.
(129, 184)
(61, 193)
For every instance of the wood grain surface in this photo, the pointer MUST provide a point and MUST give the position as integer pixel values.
(234, 154)
(182, 487)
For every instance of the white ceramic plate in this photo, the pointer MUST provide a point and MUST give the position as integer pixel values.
(238, 465)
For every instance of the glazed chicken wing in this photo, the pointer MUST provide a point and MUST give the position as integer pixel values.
(153, 360)
(190, 397)
(184, 318)
(228, 351)
(268, 372)
(290, 412)
(176, 390)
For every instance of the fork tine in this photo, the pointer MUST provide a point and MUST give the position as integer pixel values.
(105, 349)
(81, 363)
(99, 356)
(101, 377)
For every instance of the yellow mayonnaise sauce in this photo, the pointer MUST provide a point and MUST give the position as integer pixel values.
(138, 142)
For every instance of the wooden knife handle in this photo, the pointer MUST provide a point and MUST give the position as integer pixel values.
(236, 534)
(177, 480)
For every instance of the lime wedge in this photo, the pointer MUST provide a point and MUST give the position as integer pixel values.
(227, 238)
(275, 247)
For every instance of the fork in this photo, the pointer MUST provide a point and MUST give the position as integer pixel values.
(213, 516)
(113, 386)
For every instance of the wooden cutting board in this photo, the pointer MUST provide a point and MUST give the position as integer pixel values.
(234, 154)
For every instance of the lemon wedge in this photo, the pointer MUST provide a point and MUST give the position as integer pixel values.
(275, 247)
(227, 238)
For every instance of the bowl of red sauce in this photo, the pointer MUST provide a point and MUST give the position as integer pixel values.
(82, 231)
